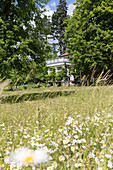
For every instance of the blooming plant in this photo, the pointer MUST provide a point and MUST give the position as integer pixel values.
(73, 144)
(60, 141)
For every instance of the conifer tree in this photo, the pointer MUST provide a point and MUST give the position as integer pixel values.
(58, 25)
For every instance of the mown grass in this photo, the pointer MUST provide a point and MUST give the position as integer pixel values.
(89, 116)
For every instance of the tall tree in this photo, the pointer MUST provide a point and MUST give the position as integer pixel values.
(90, 35)
(58, 25)
(23, 36)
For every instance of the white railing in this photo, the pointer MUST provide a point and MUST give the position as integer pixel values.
(57, 60)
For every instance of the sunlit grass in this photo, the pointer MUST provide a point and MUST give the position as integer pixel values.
(77, 130)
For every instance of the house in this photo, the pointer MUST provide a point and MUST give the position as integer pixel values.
(58, 63)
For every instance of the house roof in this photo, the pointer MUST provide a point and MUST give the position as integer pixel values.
(64, 54)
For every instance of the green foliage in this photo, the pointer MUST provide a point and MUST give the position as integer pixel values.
(58, 77)
(52, 75)
(90, 36)
(23, 40)
(41, 74)
(58, 25)
(62, 75)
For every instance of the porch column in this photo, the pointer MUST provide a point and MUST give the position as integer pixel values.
(56, 69)
(48, 70)
(67, 71)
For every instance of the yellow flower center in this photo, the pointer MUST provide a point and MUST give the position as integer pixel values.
(1, 165)
(29, 159)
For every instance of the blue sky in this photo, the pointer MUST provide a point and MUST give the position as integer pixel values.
(53, 3)
(51, 6)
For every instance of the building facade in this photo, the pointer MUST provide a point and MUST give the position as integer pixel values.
(58, 63)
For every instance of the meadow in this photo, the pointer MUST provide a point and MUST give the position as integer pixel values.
(76, 130)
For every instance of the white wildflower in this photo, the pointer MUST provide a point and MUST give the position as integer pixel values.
(76, 136)
(83, 147)
(78, 165)
(65, 141)
(110, 164)
(54, 164)
(65, 132)
(50, 168)
(2, 124)
(25, 155)
(108, 156)
(60, 130)
(77, 154)
(91, 155)
(61, 158)
(72, 149)
(83, 140)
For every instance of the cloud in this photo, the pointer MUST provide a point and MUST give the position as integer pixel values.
(53, 4)
(49, 11)
(71, 7)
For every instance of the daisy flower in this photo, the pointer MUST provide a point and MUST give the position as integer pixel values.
(61, 158)
(27, 156)
(50, 168)
(54, 165)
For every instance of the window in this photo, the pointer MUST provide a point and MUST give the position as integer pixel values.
(59, 69)
(50, 70)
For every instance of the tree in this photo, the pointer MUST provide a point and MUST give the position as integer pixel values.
(52, 75)
(90, 36)
(23, 36)
(58, 25)
(62, 75)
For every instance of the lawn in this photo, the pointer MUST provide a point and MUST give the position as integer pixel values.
(76, 130)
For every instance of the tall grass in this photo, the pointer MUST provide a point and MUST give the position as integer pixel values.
(76, 129)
